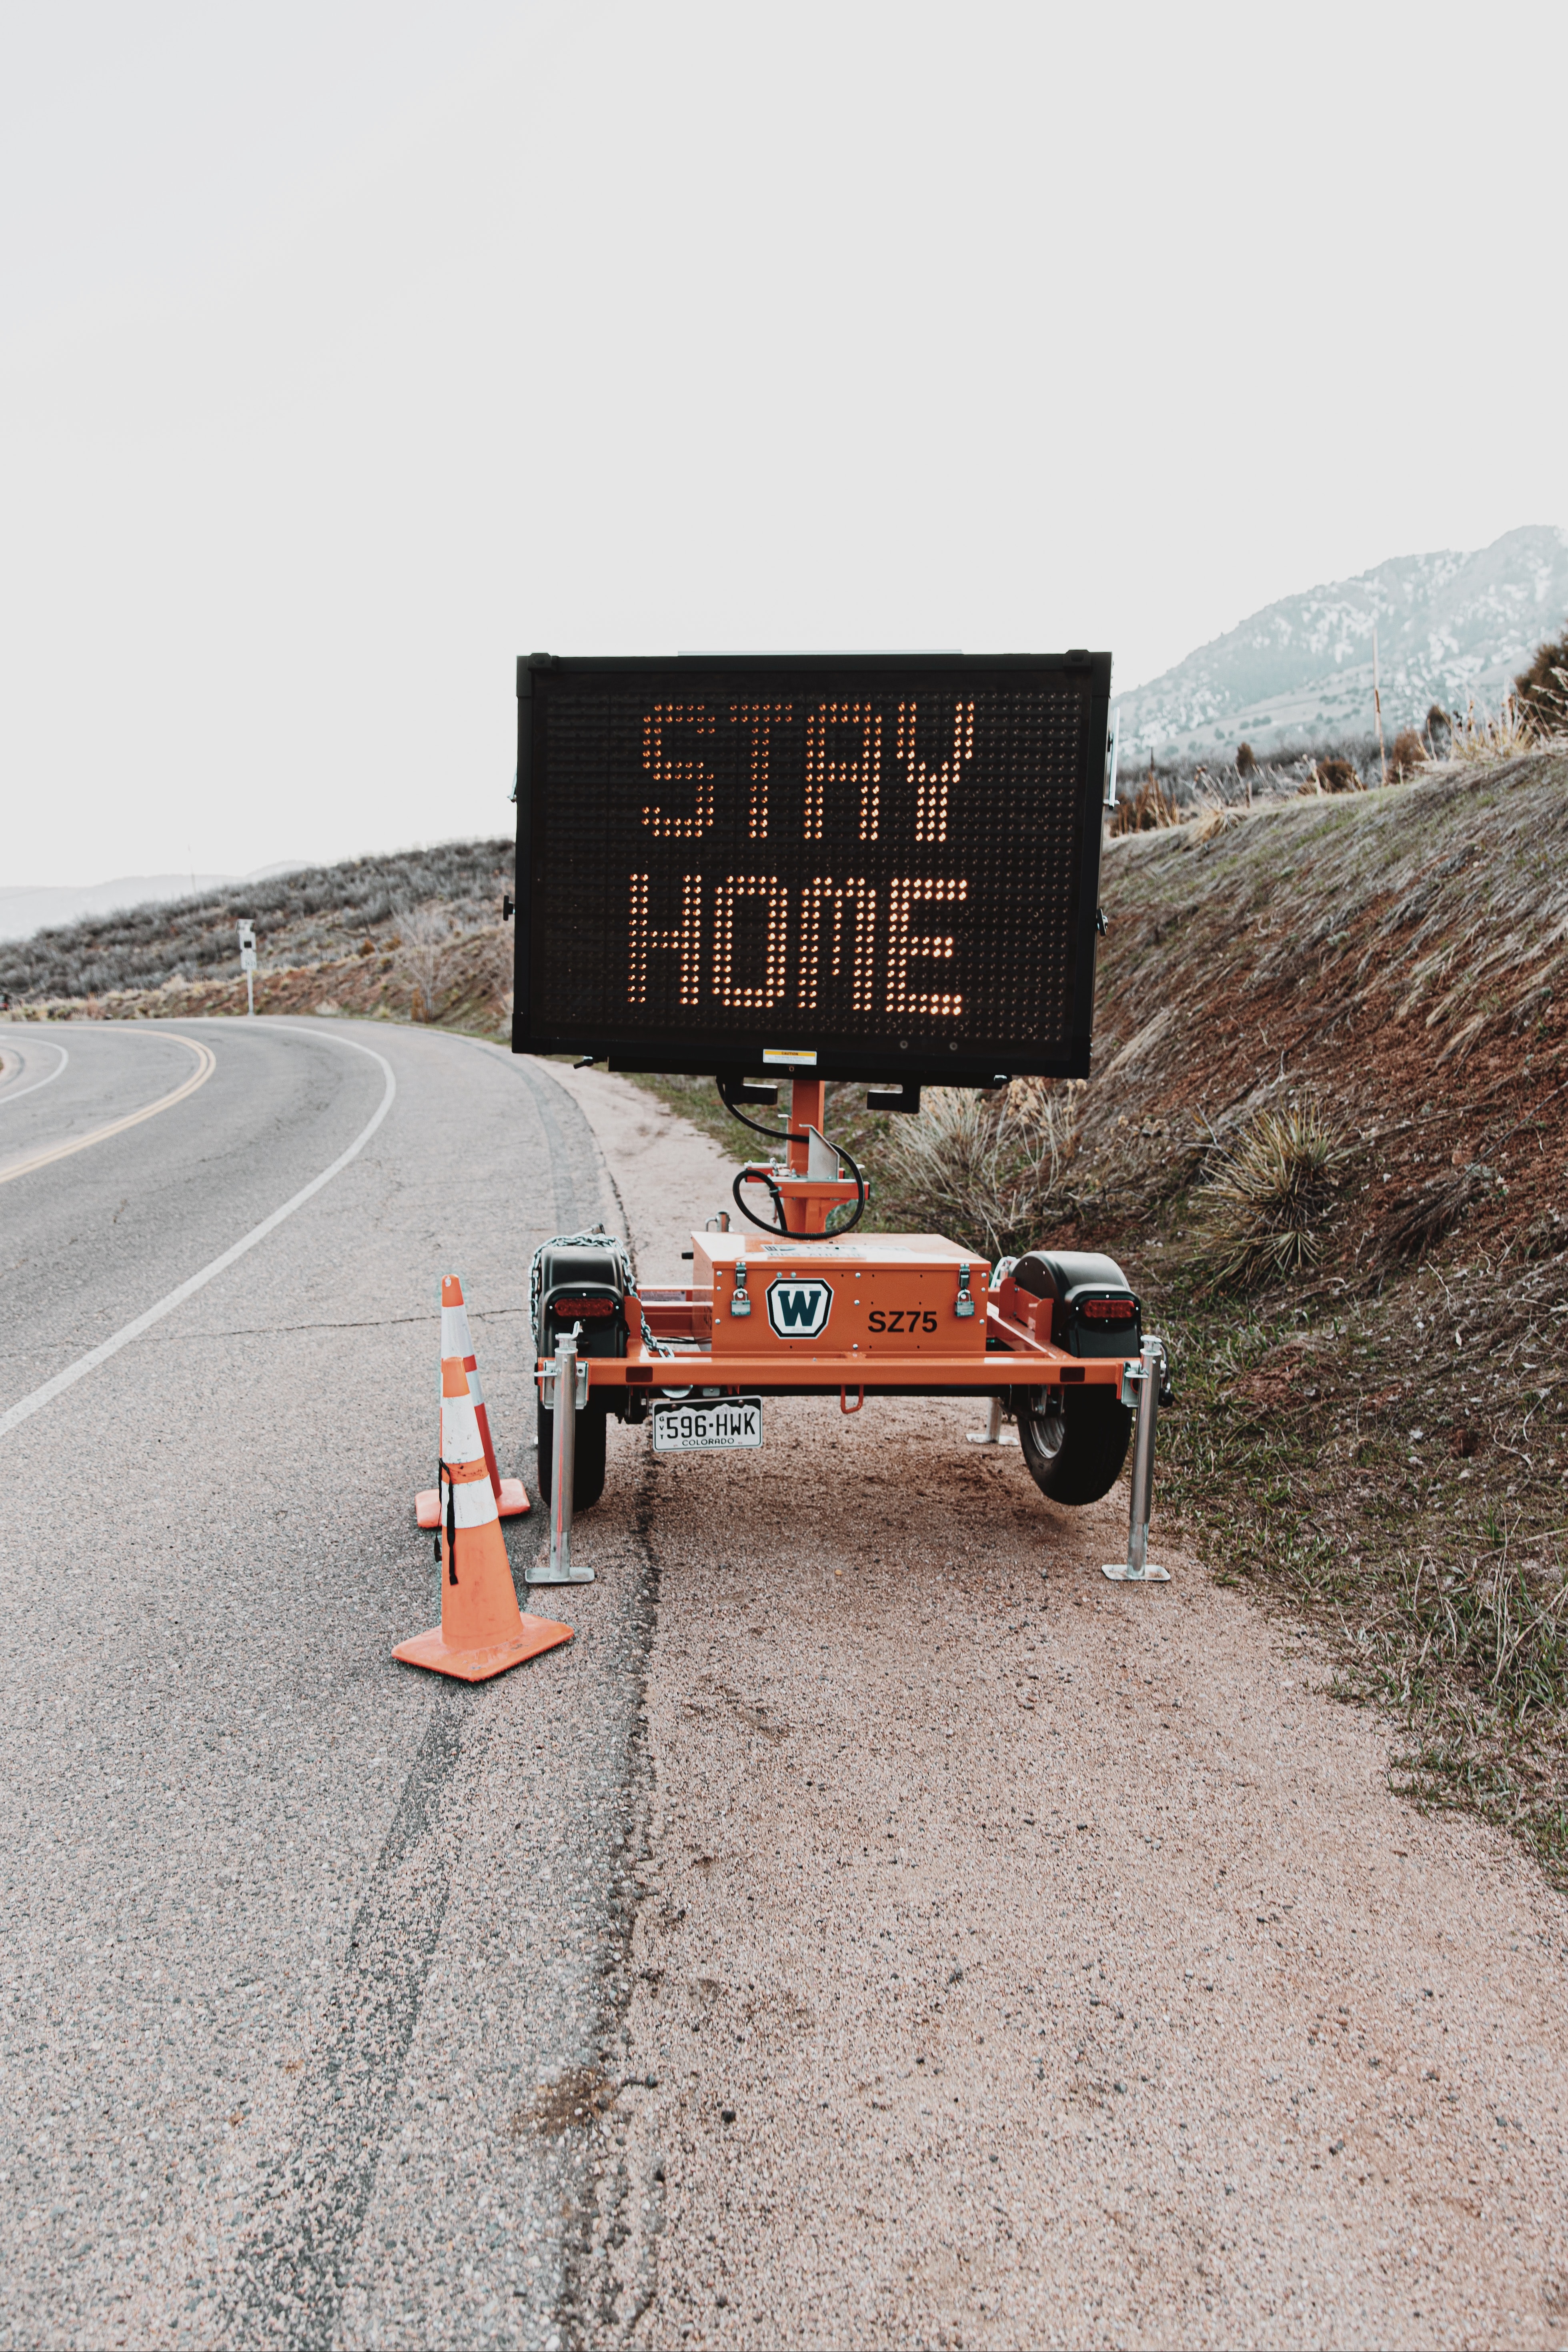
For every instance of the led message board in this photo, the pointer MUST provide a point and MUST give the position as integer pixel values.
(868, 866)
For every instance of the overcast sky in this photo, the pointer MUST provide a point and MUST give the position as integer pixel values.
(347, 351)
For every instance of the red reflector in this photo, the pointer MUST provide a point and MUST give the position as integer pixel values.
(637, 1373)
(1070, 1372)
(589, 1307)
(1107, 1311)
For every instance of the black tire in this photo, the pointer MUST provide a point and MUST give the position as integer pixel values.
(1075, 1453)
(588, 1480)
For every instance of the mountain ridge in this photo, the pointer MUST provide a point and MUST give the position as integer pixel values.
(1451, 627)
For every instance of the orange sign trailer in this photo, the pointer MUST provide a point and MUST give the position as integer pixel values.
(811, 1313)
(715, 850)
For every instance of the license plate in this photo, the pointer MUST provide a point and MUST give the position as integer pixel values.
(706, 1424)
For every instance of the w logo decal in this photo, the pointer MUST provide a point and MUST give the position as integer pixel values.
(798, 1310)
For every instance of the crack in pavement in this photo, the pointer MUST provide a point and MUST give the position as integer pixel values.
(295, 2265)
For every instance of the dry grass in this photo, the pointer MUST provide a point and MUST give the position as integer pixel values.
(1149, 809)
(988, 1167)
(1264, 1205)
(1536, 721)
(1213, 817)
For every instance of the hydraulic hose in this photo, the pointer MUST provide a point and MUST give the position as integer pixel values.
(762, 1176)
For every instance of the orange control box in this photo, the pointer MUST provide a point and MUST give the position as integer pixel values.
(868, 1296)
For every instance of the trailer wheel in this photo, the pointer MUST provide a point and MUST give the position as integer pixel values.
(588, 1481)
(1075, 1449)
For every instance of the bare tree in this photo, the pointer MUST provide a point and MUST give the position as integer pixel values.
(424, 944)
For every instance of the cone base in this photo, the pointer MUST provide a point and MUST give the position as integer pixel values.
(428, 1650)
(513, 1503)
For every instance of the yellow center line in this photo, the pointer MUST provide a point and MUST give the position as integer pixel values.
(206, 1064)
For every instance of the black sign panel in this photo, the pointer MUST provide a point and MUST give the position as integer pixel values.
(877, 866)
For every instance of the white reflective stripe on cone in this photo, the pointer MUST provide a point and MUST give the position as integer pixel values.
(454, 1340)
(474, 1504)
(475, 1390)
(460, 1431)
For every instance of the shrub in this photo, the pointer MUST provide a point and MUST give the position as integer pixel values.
(1268, 1195)
(1246, 759)
(1409, 753)
(1337, 776)
(424, 945)
(1438, 732)
(1542, 690)
(990, 1166)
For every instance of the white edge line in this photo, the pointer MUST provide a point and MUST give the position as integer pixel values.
(33, 1089)
(28, 1405)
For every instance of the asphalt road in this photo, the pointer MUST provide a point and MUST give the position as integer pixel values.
(310, 1963)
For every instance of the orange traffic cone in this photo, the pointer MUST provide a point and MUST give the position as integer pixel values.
(510, 1494)
(482, 1630)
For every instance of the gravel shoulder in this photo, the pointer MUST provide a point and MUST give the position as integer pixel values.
(1024, 1959)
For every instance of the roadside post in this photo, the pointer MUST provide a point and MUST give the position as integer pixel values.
(247, 964)
(564, 1389)
(1140, 1386)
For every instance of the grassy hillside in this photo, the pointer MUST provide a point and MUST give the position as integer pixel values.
(315, 915)
(1379, 1438)
(414, 936)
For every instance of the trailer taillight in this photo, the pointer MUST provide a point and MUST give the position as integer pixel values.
(1107, 1310)
(585, 1309)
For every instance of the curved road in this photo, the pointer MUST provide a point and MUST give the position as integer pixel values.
(306, 1957)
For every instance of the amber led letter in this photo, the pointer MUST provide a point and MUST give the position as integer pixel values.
(931, 785)
(762, 718)
(676, 765)
(864, 770)
(685, 941)
(855, 899)
(775, 953)
(903, 943)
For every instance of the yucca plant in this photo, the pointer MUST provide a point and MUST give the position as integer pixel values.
(1268, 1195)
